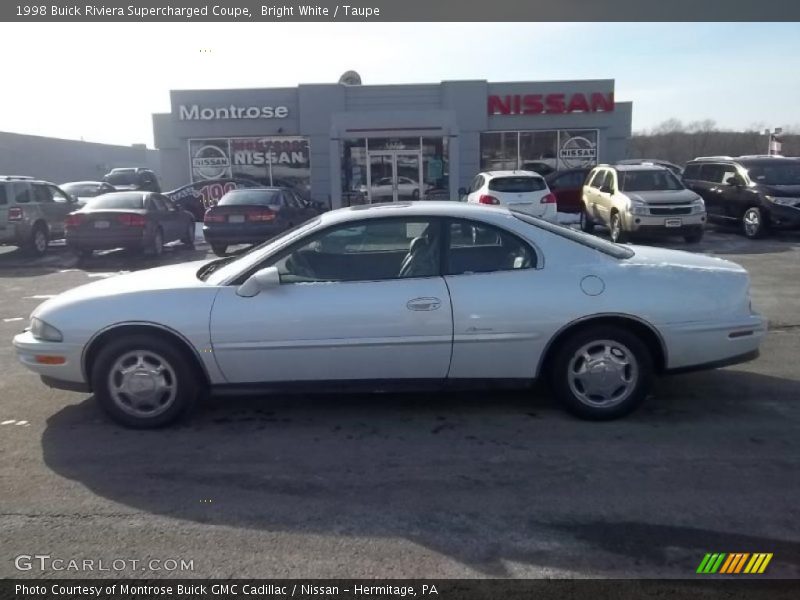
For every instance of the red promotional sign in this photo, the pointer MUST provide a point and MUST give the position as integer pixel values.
(537, 104)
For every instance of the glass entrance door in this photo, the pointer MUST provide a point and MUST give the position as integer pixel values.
(394, 175)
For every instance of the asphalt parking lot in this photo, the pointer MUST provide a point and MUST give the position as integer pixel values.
(460, 485)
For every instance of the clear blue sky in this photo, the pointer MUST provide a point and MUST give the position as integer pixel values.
(90, 86)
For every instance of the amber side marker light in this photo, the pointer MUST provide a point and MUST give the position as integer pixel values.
(44, 359)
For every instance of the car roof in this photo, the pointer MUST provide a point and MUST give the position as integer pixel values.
(24, 178)
(514, 173)
(424, 208)
(636, 167)
(85, 183)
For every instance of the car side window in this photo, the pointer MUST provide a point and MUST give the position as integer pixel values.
(480, 248)
(291, 199)
(41, 193)
(3, 196)
(58, 195)
(691, 172)
(372, 250)
(711, 173)
(597, 180)
(159, 204)
(728, 172)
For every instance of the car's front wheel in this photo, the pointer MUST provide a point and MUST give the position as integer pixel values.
(188, 237)
(587, 225)
(144, 381)
(754, 224)
(616, 229)
(38, 242)
(601, 372)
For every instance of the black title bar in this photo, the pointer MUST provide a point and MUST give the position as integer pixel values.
(403, 10)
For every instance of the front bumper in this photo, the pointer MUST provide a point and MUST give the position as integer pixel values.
(658, 224)
(710, 344)
(70, 371)
(784, 217)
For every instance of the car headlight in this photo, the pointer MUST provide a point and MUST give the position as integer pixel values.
(637, 207)
(698, 206)
(44, 331)
(783, 201)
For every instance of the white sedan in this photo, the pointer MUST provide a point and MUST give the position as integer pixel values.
(402, 294)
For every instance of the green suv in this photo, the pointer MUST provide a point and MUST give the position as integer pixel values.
(32, 213)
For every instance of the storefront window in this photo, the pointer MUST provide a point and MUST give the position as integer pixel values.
(435, 168)
(540, 151)
(393, 143)
(499, 151)
(577, 149)
(354, 172)
(537, 151)
(283, 161)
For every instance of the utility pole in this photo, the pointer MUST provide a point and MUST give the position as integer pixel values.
(774, 141)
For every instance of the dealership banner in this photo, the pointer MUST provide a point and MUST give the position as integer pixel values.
(268, 160)
(407, 10)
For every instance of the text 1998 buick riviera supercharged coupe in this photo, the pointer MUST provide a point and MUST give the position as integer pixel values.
(418, 294)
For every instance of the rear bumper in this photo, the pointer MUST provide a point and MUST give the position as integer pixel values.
(93, 241)
(710, 344)
(237, 234)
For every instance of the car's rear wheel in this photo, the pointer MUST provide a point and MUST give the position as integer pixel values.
(754, 224)
(38, 241)
(143, 381)
(618, 233)
(188, 237)
(601, 372)
(586, 223)
(157, 244)
(219, 249)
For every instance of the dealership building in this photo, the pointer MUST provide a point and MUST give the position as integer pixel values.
(347, 143)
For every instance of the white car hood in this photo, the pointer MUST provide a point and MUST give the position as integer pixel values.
(180, 276)
(663, 257)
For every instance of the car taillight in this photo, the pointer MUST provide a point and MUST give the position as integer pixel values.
(73, 220)
(488, 200)
(262, 215)
(15, 213)
(548, 199)
(132, 220)
(211, 217)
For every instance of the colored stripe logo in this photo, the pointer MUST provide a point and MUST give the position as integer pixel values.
(734, 563)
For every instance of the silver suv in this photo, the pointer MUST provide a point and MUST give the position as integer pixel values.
(643, 198)
(32, 212)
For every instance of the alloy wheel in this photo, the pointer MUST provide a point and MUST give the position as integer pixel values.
(142, 383)
(603, 373)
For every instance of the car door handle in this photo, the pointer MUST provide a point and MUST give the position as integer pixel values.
(423, 304)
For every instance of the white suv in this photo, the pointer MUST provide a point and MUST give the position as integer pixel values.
(524, 191)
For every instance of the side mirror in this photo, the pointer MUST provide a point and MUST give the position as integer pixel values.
(259, 281)
(734, 181)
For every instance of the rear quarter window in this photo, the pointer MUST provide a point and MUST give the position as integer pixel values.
(517, 184)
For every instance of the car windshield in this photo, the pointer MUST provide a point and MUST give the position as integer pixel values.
(517, 184)
(775, 173)
(126, 177)
(616, 250)
(648, 181)
(133, 201)
(250, 198)
(223, 269)
(82, 189)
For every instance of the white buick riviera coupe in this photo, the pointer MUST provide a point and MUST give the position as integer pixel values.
(411, 295)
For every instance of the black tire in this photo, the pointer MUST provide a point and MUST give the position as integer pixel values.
(188, 238)
(84, 253)
(586, 224)
(754, 223)
(156, 248)
(219, 249)
(568, 350)
(616, 230)
(415, 195)
(694, 237)
(38, 240)
(185, 380)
